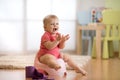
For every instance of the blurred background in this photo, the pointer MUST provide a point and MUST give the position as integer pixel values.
(21, 24)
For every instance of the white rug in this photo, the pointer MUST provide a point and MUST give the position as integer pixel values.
(20, 61)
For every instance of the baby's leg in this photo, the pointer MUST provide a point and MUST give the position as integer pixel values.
(72, 64)
(49, 60)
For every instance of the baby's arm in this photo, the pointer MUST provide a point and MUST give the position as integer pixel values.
(52, 44)
(60, 40)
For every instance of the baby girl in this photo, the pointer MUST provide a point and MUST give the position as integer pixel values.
(51, 43)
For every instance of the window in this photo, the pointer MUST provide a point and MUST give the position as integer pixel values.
(21, 22)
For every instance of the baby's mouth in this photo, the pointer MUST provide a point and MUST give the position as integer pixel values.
(55, 29)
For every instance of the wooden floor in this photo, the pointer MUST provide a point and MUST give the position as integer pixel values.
(97, 70)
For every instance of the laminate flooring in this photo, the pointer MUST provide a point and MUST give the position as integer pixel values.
(97, 70)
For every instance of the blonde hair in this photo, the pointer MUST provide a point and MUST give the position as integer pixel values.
(48, 18)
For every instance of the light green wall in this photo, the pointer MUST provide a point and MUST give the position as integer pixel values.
(113, 4)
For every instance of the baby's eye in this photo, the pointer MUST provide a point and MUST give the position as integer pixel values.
(54, 24)
(57, 23)
(51, 24)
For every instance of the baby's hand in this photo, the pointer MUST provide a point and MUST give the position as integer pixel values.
(58, 37)
(64, 38)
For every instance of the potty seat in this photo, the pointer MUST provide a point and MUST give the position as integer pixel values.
(52, 73)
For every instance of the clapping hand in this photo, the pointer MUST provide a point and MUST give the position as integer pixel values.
(62, 38)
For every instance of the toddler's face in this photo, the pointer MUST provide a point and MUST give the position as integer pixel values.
(52, 26)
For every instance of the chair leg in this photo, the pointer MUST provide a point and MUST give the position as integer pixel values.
(94, 49)
(111, 48)
(119, 49)
(105, 50)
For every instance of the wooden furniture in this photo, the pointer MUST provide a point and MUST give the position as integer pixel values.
(111, 19)
(93, 26)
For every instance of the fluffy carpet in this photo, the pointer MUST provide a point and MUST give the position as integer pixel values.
(20, 61)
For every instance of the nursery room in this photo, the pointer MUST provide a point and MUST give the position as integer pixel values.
(84, 35)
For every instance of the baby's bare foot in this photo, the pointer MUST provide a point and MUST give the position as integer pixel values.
(80, 70)
(57, 67)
